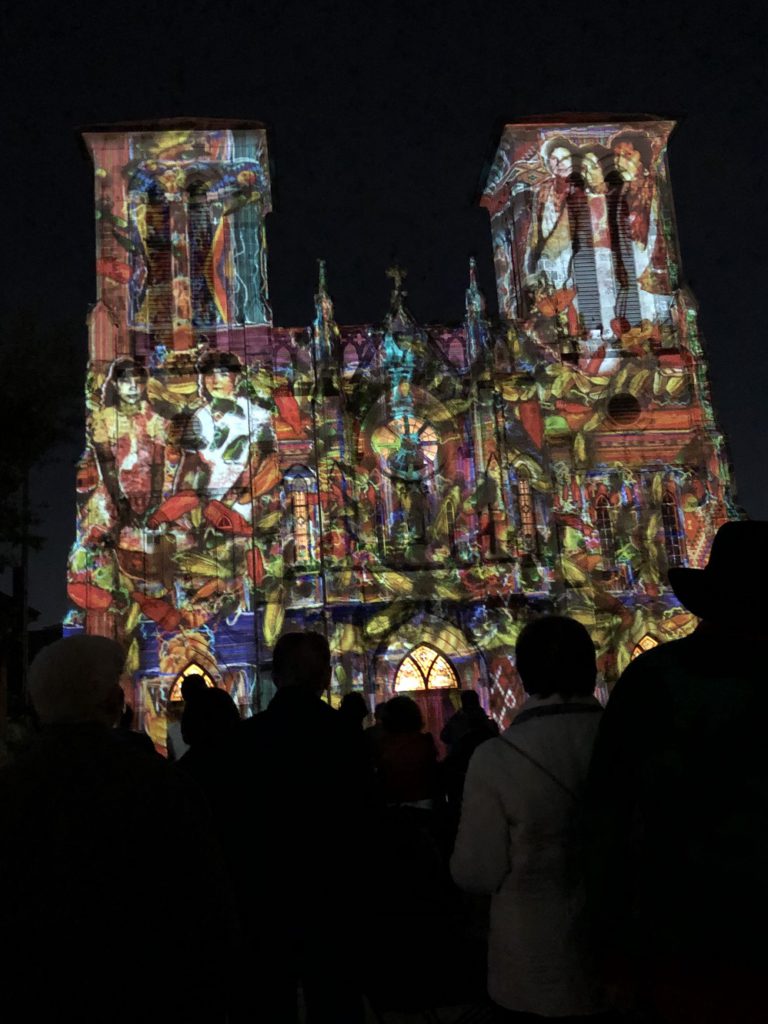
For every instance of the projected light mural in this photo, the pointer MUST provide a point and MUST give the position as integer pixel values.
(415, 493)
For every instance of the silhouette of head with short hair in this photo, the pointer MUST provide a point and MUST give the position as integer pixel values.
(77, 680)
(353, 708)
(470, 700)
(555, 654)
(403, 715)
(208, 717)
(192, 684)
(302, 660)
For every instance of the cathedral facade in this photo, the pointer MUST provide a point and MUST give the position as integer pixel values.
(415, 493)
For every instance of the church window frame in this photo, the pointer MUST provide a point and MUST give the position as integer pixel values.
(585, 277)
(299, 484)
(526, 509)
(604, 527)
(200, 235)
(193, 668)
(158, 257)
(674, 537)
(646, 643)
(282, 363)
(622, 250)
(425, 664)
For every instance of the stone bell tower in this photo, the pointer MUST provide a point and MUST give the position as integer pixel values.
(180, 242)
(585, 206)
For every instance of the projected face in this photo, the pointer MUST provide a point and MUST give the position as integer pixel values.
(220, 383)
(561, 162)
(593, 172)
(130, 389)
(628, 161)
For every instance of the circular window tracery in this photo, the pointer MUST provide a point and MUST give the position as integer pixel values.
(408, 447)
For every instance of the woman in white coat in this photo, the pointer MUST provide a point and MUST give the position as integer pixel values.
(520, 835)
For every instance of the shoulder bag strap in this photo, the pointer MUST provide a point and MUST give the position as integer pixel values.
(540, 766)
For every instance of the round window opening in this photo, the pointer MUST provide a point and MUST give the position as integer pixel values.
(624, 409)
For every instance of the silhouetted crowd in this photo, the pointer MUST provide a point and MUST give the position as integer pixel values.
(585, 864)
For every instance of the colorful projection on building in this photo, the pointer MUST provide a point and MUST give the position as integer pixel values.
(416, 493)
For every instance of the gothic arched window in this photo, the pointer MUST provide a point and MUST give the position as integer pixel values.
(350, 360)
(674, 541)
(584, 267)
(605, 531)
(157, 241)
(300, 486)
(456, 353)
(283, 361)
(192, 669)
(425, 668)
(624, 268)
(200, 235)
(450, 519)
(496, 515)
(526, 510)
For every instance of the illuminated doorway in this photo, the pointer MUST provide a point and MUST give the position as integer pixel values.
(427, 676)
(193, 669)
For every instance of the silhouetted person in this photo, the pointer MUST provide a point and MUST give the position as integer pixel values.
(406, 758)
(193, 684)
(125, 733)
(462, 734)
(208, 726)
(470, 719)
(679, 784)
(208, 719)
(520, 835)
(417, 905)
(93, 834)
(175, 744)
(353, 709)
(373, 733)
(305, 787)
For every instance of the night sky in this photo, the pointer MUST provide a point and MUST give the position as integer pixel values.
(382, 118)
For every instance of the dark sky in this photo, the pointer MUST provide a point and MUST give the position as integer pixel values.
(382, 118)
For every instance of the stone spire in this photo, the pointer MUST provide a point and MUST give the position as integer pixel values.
(477, 325)
(324, 331)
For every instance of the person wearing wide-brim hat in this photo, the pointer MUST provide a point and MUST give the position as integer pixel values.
(679, 801)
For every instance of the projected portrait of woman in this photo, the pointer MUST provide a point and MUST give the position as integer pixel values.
(219, 436)
(128, 438)
(550, 246)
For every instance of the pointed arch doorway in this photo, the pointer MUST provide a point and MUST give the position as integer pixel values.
(427, 676)
(430, 659)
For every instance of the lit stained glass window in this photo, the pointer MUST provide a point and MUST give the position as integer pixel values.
(408, 445)
(645, 643)
(300, 486)
(425, 669)
(301, 538)
(193, 669)
(527, 512)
